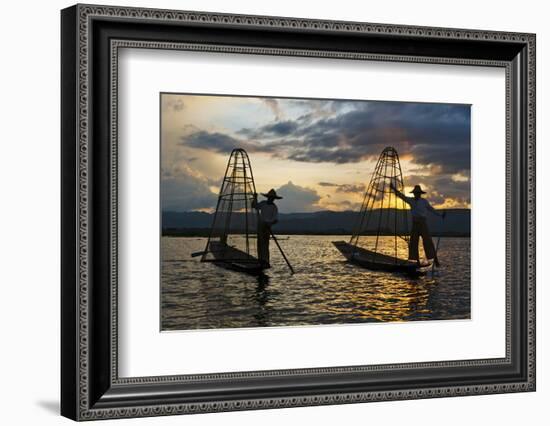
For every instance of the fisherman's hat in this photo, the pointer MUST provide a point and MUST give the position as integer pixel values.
(272, 194)
(417, 190)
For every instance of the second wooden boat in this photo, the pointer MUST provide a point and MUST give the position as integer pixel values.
(377, 261)
(381, 234)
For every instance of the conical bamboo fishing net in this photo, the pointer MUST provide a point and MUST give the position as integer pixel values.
(233, 233)
(383, 223)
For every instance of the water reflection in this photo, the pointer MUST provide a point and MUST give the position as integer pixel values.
(324, 290)
(262, 296)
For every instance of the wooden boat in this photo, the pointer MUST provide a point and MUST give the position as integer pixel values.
(237, 260)
(377, 261)
(230, 244)
(383, 214)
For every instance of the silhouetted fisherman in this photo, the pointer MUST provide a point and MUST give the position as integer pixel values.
(419, 210)
(268, 215)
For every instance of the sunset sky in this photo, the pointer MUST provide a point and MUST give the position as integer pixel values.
(317, 154)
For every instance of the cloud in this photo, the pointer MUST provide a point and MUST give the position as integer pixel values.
(297, 199)
(186, 194)
(184, 189)
(175, 103)
(223, 143)
(442, 188)
(273, 105)
(353, 188)
(220, 142)
(429, 133)
(459, 177)
(433, 138)
(280, 128)
(272, 130)
(275, 129)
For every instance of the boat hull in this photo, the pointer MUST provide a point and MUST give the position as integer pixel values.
(231, 258)
(377, 261)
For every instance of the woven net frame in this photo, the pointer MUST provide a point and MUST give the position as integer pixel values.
(383, 213)
(233, 233)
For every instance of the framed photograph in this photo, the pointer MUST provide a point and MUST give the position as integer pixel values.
(263, 212)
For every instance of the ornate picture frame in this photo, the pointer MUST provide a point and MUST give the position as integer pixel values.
(90, 384)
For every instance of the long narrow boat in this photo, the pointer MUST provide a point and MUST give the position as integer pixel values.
(383, 214)
(231, 243)
(237, 260)
(377, 261)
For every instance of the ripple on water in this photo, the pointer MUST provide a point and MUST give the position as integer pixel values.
(325, 289)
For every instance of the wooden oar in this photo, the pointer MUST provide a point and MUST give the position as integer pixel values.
(281, 250)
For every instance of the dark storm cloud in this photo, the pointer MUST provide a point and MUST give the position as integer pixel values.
(277, 129)
(281, 128)
(431, 133)
(219, 142)
(222, 143)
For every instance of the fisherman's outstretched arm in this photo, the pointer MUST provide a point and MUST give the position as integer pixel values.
(254, 203)
(399, 193)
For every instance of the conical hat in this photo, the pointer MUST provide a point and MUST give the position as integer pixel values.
(417, 189)
(272, 194)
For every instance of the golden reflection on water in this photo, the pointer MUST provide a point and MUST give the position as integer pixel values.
(325, 289)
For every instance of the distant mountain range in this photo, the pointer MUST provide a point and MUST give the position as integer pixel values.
(457, 223)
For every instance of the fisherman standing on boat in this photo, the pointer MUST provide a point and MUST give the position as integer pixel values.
(419, 210)
(268, 215)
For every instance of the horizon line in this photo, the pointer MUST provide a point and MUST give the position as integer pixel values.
(316, 211)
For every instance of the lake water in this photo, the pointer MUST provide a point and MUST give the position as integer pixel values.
(325, 289)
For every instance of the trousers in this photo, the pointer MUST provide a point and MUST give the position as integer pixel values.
(420, 229)
(263, 241)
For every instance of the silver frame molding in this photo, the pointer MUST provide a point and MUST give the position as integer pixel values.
(91, 388)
